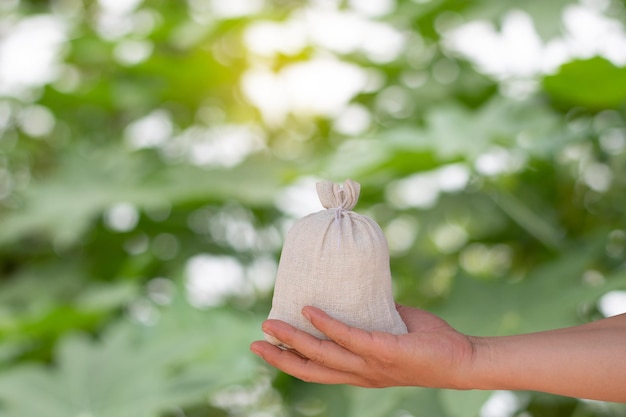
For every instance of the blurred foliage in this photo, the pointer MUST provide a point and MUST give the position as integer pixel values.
(141, 159)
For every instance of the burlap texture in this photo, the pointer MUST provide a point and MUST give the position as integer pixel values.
(336, 260)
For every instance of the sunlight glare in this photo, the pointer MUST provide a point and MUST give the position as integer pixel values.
(236, 8)
(206, 11)
(150, 131)
(268, 38)
(486, 261)
(500, 404)
(221, 145)
(613, 141)
(419, 190)
(262, 274)
(373, 8)
(498, 161)
(132, 52)
(346, 32)
(299, 198)
(401, 233)
(36, 121)
(450, 237)
(612, 303)
(354, 120)
(322, 86)
(453, 177)
(589, 34)
(121, 217)
(517, 51)
(210, 279)
(328, 29)
(234, 226)
(382, 43)
(119, 6)
(115, 18)
(30, 54)
(597, 176)
(422, 190)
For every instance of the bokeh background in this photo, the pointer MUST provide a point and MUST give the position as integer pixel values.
(153, 154)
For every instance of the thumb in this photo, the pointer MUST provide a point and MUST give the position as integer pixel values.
(412, 317)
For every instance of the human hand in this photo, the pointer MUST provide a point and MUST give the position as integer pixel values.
(431, 354)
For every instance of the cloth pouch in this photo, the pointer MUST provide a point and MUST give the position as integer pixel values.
(336, 260)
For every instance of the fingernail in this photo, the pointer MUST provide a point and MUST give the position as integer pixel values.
(254, 349)
(267, 331)
(306, 314)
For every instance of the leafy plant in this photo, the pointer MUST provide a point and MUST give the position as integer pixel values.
(141, 153)
(135, 369)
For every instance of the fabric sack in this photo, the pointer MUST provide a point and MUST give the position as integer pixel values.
(336, 260)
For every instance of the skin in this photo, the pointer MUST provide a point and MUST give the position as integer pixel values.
(586, 361)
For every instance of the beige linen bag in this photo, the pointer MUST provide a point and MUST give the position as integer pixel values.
(336, 260)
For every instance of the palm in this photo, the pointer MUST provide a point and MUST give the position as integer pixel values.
(427, 355)
(431, 353)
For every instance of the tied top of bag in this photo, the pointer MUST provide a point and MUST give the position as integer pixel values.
(339, 198)
(335, 196)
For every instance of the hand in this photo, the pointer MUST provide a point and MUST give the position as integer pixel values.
(431, 354)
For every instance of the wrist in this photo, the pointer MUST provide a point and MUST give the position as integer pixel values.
(476, 373)
(499, 364)
(467, 368)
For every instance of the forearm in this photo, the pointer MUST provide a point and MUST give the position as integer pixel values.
(587, 361)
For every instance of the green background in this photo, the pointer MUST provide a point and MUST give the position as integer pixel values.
(99, 320)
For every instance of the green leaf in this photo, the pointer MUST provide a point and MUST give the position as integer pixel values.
(63, 206)
(549, 297)
(43, 301)
(135, 370)
(452, 132)
(594, 84)
(546, 232)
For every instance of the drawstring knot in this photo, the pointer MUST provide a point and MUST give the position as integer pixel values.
(339, 198)
(338, 214)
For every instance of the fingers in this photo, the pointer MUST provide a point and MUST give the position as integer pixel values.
(350, 338)
(350, 357)
(300, 367)
(316, 360)
(410, 316)
(418, 321)
(322, 352)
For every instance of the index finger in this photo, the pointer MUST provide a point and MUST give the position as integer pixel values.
(350, 338)
(323, 352)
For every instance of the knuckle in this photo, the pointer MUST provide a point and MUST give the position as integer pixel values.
(347, 336)
(386, 360)
(380, 356)
(341, 336)
(317, 353)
